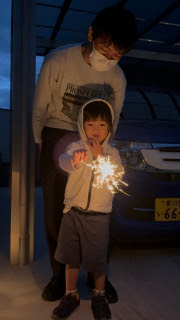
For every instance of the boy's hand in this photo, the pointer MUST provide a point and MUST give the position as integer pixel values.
(79, 155)
(95, 146)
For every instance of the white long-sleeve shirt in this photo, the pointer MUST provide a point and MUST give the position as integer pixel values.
(65, 82)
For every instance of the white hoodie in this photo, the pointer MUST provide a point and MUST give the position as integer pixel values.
(80, 191)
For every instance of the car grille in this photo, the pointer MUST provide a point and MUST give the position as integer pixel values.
(164, 158)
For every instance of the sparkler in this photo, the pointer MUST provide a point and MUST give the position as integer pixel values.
(107, 174)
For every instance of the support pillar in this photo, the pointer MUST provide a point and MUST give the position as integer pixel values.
(23, 56)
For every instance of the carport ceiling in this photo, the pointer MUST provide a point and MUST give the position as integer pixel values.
(67, 21)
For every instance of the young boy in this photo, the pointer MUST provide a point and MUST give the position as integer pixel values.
(84, 233)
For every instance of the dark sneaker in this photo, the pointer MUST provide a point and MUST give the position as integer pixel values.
(54, 290)
(68, 304)
(100, 308)
(110, 292)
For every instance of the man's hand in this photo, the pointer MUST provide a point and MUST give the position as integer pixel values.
(79, 155)
(95, 146)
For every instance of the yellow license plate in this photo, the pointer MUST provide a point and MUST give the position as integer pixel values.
(167, 209)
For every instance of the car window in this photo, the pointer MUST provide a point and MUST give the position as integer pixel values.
(135, 107)
(147, 105)
(164, 106)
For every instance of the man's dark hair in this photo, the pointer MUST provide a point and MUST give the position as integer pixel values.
(118, 24)
(98, 109)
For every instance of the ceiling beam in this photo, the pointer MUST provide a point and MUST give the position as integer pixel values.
(49, 5)
(59, 21)
(165, 13)
(142, 54)
(153, 55)
(153, 114)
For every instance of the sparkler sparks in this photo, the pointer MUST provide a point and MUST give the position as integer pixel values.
(107, 174)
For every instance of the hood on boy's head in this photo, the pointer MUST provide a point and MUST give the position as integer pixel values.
(81, 117)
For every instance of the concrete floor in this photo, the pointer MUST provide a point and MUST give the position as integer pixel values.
(147, 281)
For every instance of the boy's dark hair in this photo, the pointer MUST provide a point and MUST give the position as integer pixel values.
(118, 24)
(98, 109)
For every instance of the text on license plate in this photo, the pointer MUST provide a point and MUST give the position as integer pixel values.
(167, 209)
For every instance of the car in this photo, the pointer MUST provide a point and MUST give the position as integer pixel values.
(148, 140)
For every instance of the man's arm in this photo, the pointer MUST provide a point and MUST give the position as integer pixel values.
(119, 95)
(43, 95)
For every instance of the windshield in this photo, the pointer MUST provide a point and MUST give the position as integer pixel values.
(147, 105)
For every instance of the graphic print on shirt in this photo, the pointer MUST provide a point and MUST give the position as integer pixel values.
(75, 96)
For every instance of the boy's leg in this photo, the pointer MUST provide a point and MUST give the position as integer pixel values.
(71, 277)
(99, 281)
(110, 291)
(70, 301)
(99, 303)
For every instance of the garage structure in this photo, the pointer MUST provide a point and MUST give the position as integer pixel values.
(42, 25)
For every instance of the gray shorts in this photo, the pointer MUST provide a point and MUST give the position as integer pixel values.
(83, 240)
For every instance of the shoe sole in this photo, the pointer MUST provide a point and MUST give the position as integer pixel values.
(55, 317)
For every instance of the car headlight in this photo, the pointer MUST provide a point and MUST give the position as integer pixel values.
(130, 153)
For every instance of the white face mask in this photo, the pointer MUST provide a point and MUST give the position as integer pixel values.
(100, 62)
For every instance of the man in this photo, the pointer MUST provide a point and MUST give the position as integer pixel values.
(71, 75)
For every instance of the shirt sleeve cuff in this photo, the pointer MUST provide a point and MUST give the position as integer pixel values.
(38, 140)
